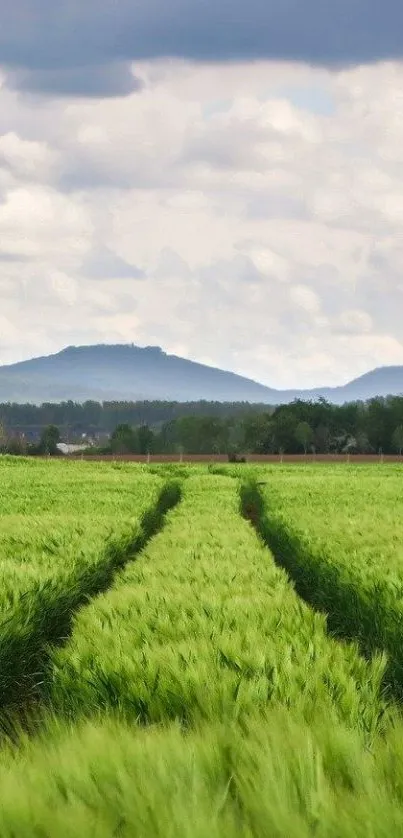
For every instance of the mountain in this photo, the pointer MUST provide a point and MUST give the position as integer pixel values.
(131, 373)
(382, 381)
(123, 372)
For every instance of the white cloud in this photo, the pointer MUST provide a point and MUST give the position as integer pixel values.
(25, 159)
(43, 224)
(355, 321)
(304, 297)
(212, 212)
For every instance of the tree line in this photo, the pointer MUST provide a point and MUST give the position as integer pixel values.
(375, 426)
(300, 427)
(11, 443)
(102, 417)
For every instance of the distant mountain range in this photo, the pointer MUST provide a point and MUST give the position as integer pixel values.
(131, 373)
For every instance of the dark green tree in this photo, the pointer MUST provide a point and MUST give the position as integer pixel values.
(284, 426)
(304, 435)
(397, 439)
(322, 439)
(145, 440)
(124, 440)
(50, 438)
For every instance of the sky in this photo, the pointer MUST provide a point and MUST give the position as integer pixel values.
(224, 180)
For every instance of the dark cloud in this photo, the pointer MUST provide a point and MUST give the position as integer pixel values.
(41, 36)
(84, 81)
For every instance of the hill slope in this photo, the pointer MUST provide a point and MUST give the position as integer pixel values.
(131, 373)
(124, 373)
(383, 381)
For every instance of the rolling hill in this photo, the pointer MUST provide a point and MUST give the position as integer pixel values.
(130, 373)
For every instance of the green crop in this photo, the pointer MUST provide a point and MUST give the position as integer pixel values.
(276, 775)
(195, 692)
(60, 543)
(339, 534)
(204, 626)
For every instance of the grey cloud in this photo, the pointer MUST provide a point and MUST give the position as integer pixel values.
(105, 264)
(82, 170)
(276, 205)
(351, 324)
(113, 305)
(296, 322)
(80, 81)
(228, 146)
(335, 293)
(171, 264)
(224, 275)
(85, 169)
(40, 35)
(379, 297)
(12, 257)
(378, 261)
(75, 176)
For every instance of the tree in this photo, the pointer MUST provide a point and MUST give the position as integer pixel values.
(3, 438)
(322, 439)
(236, 437)
(397, 439)
(124, 440)
(362, 443)
(145, 439)
(350, 445)
(378, 424)
(304, 435)
(49, 440)
(284, 426)
(16, 445)
(257, 432)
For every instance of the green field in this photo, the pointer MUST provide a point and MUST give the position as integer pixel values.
(200, 651)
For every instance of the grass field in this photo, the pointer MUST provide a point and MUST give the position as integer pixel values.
(200, 651)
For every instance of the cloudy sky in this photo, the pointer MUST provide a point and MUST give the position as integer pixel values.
(223, 179)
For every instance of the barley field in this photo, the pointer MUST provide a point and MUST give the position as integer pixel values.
(202, 650)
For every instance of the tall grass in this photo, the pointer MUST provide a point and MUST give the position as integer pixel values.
(198, 696)
(341, 542)
(275, 775)
(60, 579)
(205, 627)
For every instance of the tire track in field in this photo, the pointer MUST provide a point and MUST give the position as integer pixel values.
(352, 615)
(44, 617)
